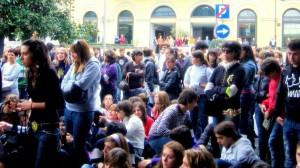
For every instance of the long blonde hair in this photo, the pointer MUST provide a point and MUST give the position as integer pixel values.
(82, 49)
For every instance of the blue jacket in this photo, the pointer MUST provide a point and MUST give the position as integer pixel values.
(250, 71)
(88, 80)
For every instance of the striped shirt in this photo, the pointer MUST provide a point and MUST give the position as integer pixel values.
(169, 119)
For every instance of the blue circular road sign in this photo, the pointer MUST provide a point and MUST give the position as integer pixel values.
(222, 31)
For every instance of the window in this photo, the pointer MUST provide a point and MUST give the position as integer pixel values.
(90, 17)
(291, 26)
(163, 11)
(203, 11)
(125, 27)
(247, 26)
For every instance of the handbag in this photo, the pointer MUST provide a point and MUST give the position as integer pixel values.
(7, 85)
(268, 123)
(124, 84)
(75, 95)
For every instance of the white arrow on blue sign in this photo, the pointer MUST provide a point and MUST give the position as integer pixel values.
(222, 31)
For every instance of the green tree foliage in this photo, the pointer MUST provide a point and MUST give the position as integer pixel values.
(87, 31)
(20, 18)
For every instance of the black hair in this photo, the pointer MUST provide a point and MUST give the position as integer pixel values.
(147, 52)
(294, 44)
(227, 129)
(136, 53)
(38, 52)
(249, 55)
(198, 54)
(182, 134)
(187, 96)
(201, 45)
(126, 107)
(233, 46)
(270, 65)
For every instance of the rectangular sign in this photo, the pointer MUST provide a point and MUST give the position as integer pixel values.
(222, 11)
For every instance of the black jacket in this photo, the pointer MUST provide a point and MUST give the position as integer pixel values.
(170, 83)
(136, 77)
(151, 75)
(261, 87)
(288, 95)
(221, 80)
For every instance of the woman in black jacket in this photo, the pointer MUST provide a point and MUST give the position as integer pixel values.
(170, 81)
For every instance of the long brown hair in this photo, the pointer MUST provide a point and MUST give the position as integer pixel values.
(163, 99)
(200, 158)
(142, 107)
(82, 49)
(178, 150)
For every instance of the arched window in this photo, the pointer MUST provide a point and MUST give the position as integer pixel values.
(90, 17)
(291, 26)
(247, 26)
(125, 27)
(163, 11)
(203, 11)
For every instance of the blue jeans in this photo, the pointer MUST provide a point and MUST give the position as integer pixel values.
(276, 146)
(47, 148)
(158, 143)
(246, 125)
(291, 135)
(133, 92)
(79, 124)
(263, 134)
(199, 118)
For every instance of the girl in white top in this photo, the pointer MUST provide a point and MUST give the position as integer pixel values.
(134, 125)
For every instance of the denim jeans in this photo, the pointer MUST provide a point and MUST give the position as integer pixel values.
(158, 143)
(199, 118)
(47, 153)
(276, 146)
(291, 135)
(79, 124)
(133, 92)
(263, 134)
(246, 125)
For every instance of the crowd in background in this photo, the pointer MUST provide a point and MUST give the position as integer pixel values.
(79, 106)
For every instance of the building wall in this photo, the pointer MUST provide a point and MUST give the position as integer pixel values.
(142, 10)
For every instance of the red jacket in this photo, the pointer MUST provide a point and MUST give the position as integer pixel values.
(271, 100)
(147, 125)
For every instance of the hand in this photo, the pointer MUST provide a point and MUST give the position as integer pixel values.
(267, 115)
(203, 85)
(263, 108)
(26, 105)
(4, 126)
(69, 138)
(144, 163)
(280, 120)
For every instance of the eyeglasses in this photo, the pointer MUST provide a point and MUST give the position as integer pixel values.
(227, 51)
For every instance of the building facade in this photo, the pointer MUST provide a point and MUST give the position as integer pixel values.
(141, 21)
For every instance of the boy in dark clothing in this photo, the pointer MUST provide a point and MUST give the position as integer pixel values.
(288, 100)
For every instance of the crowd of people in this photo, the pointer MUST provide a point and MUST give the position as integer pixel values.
(79, 107)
